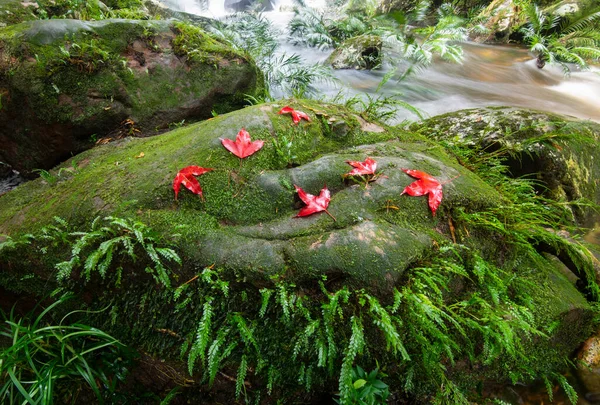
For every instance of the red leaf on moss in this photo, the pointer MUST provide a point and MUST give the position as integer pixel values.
(314, 203)
(425, 185)
(186, 177)
(367, 167)
(242, 147)
(296, 115)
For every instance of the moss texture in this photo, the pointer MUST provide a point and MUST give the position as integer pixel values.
(558, 151)
(67, 83)
(246, 230)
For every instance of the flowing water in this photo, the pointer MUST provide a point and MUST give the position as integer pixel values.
(489, 75)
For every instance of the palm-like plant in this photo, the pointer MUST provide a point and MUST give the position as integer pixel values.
(285, 75)
(441, 39)
(576, 40)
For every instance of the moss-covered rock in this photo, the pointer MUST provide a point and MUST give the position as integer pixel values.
(502, 18)
(558, 151)
(18, 11)
(66, 83)
(289, 300)
(361, 52)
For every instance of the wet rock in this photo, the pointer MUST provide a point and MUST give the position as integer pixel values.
(558, 151)
(362, 52)
(502, 18)
(588, 366)
(74, 82)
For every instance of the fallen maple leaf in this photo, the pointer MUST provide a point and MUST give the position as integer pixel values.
(296, 115)
(367, 167)
(425, 185)
(242, 147)
(186, 177)
(314, 203)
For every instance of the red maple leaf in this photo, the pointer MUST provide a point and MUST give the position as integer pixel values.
(425, 185)
(296, 115)
(242, 147)
(367, 167)
(186, 177)
(314, 203)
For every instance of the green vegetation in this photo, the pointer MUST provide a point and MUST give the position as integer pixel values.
(477, 301)
(276, 308)
(84, 9)
(285, 75)
(43, 361)
(198, 46)
(574, 39)
(417, 45)
(367, 388)
(109, 239)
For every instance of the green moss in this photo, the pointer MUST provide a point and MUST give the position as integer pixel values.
(200, 47)
(466, 292)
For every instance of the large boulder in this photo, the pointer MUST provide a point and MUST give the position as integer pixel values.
(559, 152)
(441, 301)
(66, 83)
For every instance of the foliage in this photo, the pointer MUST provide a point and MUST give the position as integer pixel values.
(121, 237)
(110, 243)
(526, 219)
(198, 46)
(440, 39)
(367, 388)
(422, 330)
(574, 39)
(418, 45)
(379, 108)
(285, 74)
(44, 361)
(309, 27)
(86, 53)
(89, 9)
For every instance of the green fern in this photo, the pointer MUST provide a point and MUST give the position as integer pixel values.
(98, 248)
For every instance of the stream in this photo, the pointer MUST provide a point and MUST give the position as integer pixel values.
(490, 75)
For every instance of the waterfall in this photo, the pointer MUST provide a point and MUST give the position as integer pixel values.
(187, 6)
(216, 7)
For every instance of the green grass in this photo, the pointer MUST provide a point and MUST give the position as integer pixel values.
(44, 362)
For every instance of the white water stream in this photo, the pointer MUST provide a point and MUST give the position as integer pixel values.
(489, 75)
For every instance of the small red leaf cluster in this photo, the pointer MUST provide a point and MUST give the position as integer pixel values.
(425, 185)
(186, 177)
(297, 116)
(365, 168)
(314, 203)
(242, 147)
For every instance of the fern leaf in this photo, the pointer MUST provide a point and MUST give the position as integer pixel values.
(241, 376)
